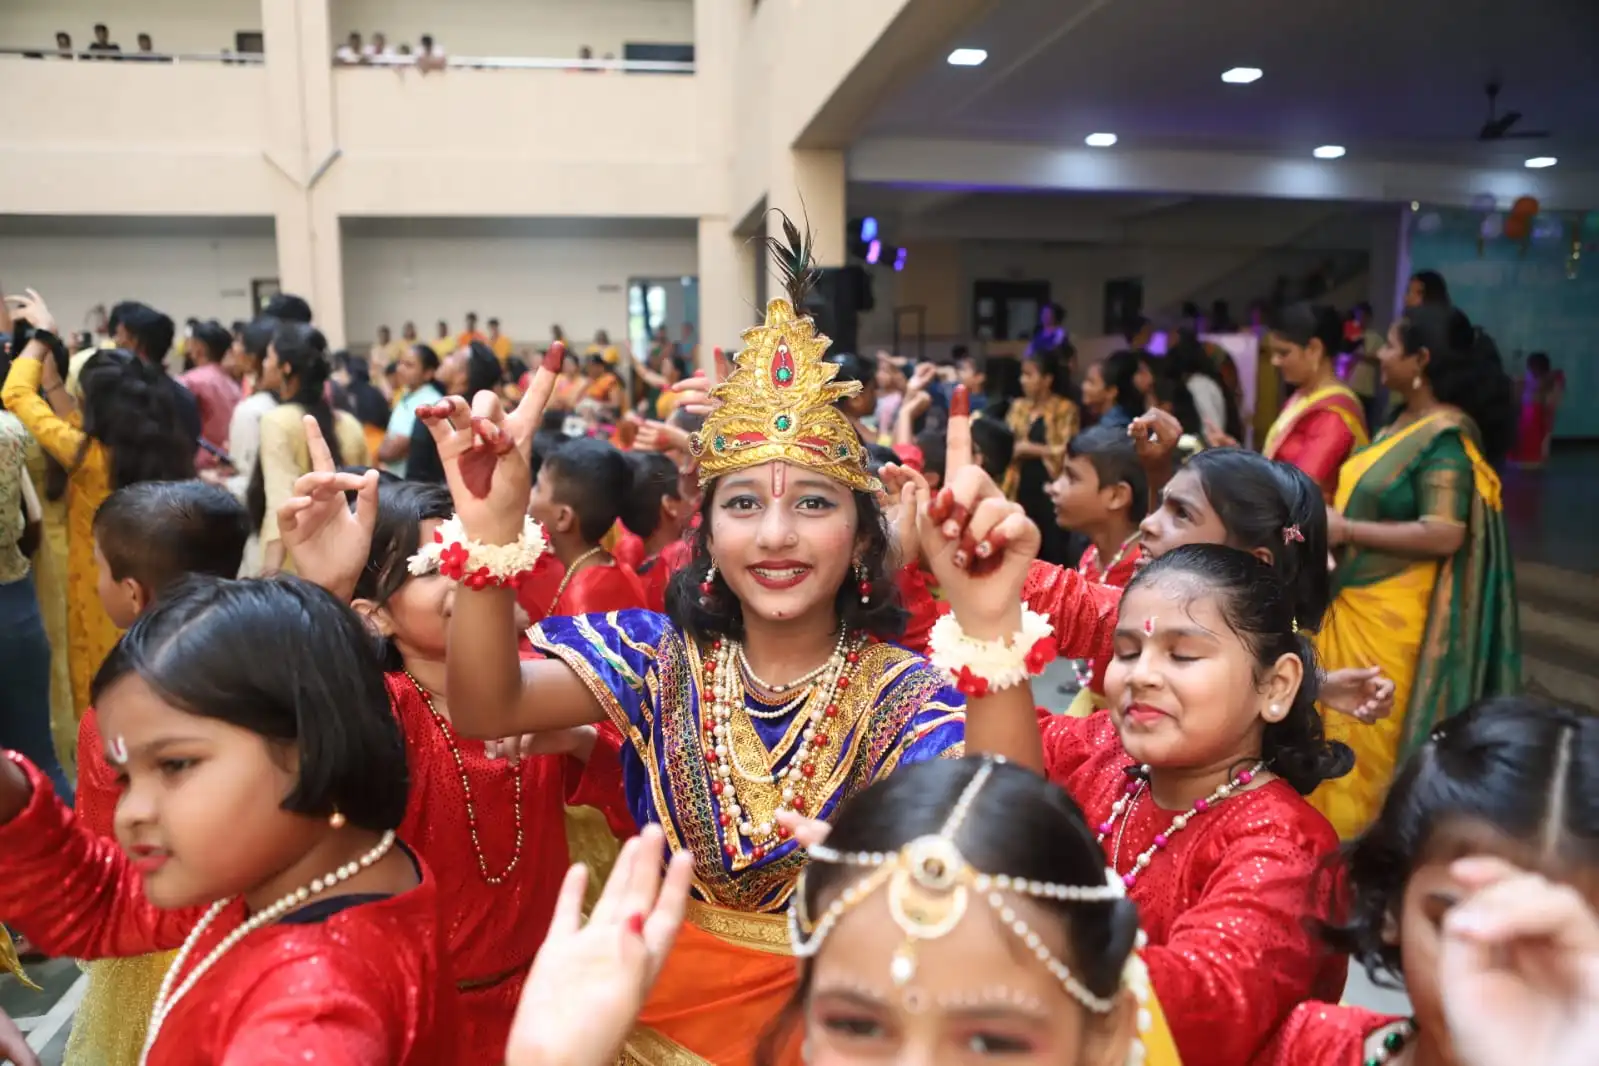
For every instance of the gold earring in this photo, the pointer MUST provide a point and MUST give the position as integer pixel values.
(336, 820)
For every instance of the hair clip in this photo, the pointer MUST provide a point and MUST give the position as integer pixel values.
(1293, 624)
(119, 751)
(1292, 535)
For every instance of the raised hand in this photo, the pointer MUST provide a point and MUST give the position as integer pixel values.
(487, 454)
(1362, 693)
(694, 391)
(1215, 437)
(900, 487)
(1155, 435)
(329, 542)
(30, 307)
(589, 981)
(13, 1045)
(1518, 969)
(958, 433)
(656, 436)
(979, 545)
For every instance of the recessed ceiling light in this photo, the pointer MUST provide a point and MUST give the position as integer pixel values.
(1241, 75)
(1329, 151)
(967, 57)
(1538, 162)
(1100, 140)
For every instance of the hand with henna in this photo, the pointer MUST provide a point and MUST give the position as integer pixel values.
(979, 546)
(487, 454)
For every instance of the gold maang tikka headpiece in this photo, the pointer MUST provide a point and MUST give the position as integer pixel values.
(930, 885)
(779, 401)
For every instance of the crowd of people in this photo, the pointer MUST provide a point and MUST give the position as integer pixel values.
(103, 47)
(751, 638)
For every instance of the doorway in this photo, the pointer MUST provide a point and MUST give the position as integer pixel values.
(662, 303)
(1007, 310)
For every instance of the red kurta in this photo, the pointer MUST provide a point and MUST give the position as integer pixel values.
(492, 932)
(363, 987)
(95, 798)
(1117, 577)
(1322, 1034)
(655, 573)
(536, 593)
(1226, 905)
(599, 589)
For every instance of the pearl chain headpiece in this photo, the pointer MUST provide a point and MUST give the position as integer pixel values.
(930, 884)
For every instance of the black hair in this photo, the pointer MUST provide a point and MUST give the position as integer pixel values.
(216, 648)
(1018, 824)
(1538, 362)
(1255, 604)
(996, 443)
(593, 478)
(655, 478)
(1115, 461)
(156, 532)
(303, 353)
(215, 337)
(483, 370)
(1188, 356)
(1524, 766)
(1261, 503)
(287, 307)
(1117, 370)
(256, 336)
(1434, 290)
(1058, 312)
(1133, 325)
(934, 444)
(128, 408)
(854, 367)
(1051, 364)
(367, 401)
(1464, 369)
(723, 616)
(426, 356)
(878, 456)
(1303, 322)
(396, 534)
(151, 330)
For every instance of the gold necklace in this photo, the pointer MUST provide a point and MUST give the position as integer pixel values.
(567, 577)
(466, 787)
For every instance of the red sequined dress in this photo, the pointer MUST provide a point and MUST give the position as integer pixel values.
(1123, 566)
(357, 985)
(493, 929)
(1227, 905)
(1323, 1034)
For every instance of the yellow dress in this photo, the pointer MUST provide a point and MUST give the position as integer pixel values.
(50, 586)
(90, 632)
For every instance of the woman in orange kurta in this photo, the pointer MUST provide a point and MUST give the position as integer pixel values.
(1324, 421)
(127, 431)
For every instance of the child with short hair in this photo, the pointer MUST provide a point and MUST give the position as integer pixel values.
(263, 779)
(578, 497)
(656, 517)
(1101, 493)
(147, 538)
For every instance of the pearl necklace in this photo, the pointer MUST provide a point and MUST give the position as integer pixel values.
(1393, 1042)
(727, 697)
(166, 999)
(804, 679)
(466, 789)
(1123, 809)
(1084, 668)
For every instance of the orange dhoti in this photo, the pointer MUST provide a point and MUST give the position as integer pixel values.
(727, 980)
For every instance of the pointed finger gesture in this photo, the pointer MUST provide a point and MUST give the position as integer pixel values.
(328, 541)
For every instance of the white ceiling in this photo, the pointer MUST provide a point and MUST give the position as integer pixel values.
(1396, 81)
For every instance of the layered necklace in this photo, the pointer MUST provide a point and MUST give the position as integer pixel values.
(1122, 811)
(722, 729)
(1393, 1042)
(1084, 668)
(166, 999)
(466, 788)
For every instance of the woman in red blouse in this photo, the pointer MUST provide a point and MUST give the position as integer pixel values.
(1324, 421)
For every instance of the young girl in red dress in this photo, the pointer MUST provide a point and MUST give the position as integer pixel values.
(1511, 780)
(263, 780)
(1194, 779)
(492, 827)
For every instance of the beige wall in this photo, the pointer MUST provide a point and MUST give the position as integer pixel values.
(526, 282)
(519, 27)
(193, 275)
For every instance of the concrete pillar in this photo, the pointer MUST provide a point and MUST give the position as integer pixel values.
(727, 304)
(809, 185)
(301, 149)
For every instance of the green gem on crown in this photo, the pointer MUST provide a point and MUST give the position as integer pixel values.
(720, 443)
(843, 451)
(784, 374)
(783, 422)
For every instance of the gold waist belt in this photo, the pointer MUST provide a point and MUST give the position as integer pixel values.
(759, 932)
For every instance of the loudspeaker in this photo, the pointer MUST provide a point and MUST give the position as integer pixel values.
(836, 302)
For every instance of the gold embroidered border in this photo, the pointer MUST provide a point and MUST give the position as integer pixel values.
(759, 932)
(646, 1047)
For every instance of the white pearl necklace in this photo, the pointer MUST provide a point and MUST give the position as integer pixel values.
(726, 687)
(1123, 809)
(166, 999)
(804, 679)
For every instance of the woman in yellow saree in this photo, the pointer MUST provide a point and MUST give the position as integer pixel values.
(1425, 587)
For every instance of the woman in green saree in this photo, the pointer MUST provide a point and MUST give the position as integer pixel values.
(1424, 587)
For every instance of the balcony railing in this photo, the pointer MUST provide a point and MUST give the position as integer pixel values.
(598, 66)
(48, 54)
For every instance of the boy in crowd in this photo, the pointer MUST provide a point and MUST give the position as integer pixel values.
(656, 517)
(579, 494)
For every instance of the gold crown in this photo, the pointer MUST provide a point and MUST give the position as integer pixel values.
(779, 403)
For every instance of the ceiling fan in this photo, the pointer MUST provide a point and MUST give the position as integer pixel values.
(1499, 127)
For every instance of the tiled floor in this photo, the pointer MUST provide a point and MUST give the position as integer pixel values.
(1552, 513)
